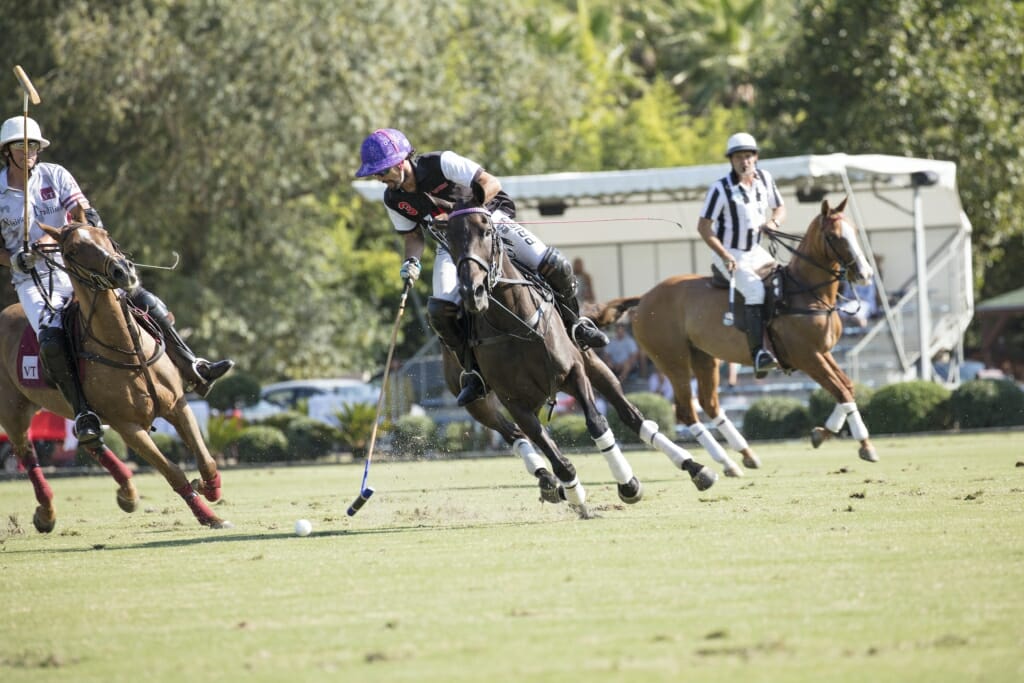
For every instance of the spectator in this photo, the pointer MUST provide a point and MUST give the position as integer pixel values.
(622, 353)
(584, 283)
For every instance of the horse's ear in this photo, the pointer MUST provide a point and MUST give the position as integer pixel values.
(53, 232)
(825, 207)
(842, 205)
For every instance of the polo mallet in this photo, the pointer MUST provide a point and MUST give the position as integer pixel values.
(33, 95)
(366, 491)
(727, 319)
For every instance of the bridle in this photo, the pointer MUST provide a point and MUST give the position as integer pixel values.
(95, 280)
(493, 267)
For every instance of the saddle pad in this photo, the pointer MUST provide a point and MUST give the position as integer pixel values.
(30, 367)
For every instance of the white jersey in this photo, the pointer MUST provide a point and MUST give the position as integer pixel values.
(739, 211)
(53, 192)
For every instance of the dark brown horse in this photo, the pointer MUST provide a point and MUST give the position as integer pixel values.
(525, 356)
(678, 324)
(127, 378)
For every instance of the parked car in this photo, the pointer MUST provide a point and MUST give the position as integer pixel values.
(322, 397)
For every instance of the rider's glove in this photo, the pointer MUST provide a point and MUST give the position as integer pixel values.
(24, 261)
(410, 269)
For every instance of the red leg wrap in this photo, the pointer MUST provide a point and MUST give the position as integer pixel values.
(211, 488)
(118, 470)
(203, 513)
(44, 494)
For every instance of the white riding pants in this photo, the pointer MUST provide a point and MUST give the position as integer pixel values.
(34, 300)
(748, 282)
(520, 243)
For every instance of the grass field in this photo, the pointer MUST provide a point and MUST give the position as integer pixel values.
(818, 567)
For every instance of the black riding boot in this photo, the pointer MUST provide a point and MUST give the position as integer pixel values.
(444, 318)
(199, 373)
(60, 367)
(557, 272)
(763, 358)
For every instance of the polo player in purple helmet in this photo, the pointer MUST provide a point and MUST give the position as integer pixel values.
(420, 190)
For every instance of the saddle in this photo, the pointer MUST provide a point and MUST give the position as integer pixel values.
(774, 294)
(32, 374)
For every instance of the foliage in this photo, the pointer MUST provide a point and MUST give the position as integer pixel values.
(309, 439)
(413, 435)
(356, 426)
(921, 78)
(221, 433)
(987, 403)
(570, 431)
(237, 389)
(280, 420)
(821, 403)
(465, 435)
(916, 406)
(653, 406)
(776, 417)
(261, 444)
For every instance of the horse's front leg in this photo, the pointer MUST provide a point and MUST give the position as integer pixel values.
(139, 440)
(629, 487)
(608, 385)
(831, 377)
(487, 413)
(45, 517)
(571, 486)
(184, 422)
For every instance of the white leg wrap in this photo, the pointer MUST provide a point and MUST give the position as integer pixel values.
(705, 439)
(648, 429)
(532, 460)
(857, 428)
(732, 435)
(575, 494)
(837, 419)
(616, 462)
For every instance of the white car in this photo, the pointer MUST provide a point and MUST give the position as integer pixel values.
(323, 397)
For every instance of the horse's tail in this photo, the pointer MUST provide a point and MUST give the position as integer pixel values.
(610, 311)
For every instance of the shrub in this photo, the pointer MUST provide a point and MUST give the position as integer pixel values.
(309, 438)
(173, 449)
(916, 406)
(821, 403)
(465, 435)
(280, 420)
(222, 433)
(261, 444)
(987, 403)
(356, 426)
(114, 442)
(653, 406)
(778, 417)
(238, 388)
(413, 435)
(570, 431)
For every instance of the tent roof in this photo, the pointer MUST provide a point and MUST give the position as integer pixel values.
(787, 170)
(1007, 301)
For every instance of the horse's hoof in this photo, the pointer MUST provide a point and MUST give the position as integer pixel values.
(631, 492)
(128, 497)
(550, 490)
(819, 435)
(218, 523)
(731, 469)
(704, 479)
(44, 520)
(868, 453)
(751, 460)
(581, 510)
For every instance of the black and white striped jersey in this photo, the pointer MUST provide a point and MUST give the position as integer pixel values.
(738, 211)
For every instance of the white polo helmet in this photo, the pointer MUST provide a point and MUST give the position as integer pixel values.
(14, 130)
(740, 142)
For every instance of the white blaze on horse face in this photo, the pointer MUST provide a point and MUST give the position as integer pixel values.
(863, 267)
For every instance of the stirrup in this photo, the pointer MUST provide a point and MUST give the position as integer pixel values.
(587, 334)
(764, 362)
(88, 428)
(473, 388)
(206, 373)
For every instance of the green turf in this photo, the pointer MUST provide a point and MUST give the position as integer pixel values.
(819, 567)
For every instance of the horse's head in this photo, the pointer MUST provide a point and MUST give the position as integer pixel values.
(476, 249)
(90, 257)
(838, 243)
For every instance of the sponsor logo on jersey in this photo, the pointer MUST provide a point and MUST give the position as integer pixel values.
(47, 193)
(408, 209)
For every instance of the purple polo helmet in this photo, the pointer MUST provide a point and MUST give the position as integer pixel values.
(382, 149)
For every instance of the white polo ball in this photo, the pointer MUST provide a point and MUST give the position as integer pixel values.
(303, 527)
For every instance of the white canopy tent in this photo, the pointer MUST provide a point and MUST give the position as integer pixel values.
(634, 228)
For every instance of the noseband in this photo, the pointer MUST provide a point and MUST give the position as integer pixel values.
(98, 281)
(493, 268)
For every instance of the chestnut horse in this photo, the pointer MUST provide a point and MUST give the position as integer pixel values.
(525, 356)
(127, 378)
(678, 323)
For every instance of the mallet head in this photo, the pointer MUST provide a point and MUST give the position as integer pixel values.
(359, 502)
